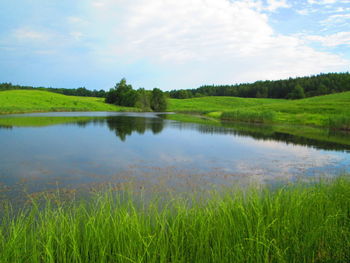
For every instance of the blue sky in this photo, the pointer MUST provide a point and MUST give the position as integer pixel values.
(170, 44)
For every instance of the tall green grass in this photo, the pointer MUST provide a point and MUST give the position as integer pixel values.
(301, 223)
(249, 116)
(341, 122)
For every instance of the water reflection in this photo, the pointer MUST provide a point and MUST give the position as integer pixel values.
(124, 125)
(268, 133)
(39, 152)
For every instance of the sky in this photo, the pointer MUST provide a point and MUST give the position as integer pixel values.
(170, 44)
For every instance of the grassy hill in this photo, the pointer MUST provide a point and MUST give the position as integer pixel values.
(20, 101)
(210, 104)
(326, 111)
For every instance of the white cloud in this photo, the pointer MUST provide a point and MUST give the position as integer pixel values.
(322, 2)
(338, 18)
(213, 41)
(340, 38)
(192, 42)
(273, 5)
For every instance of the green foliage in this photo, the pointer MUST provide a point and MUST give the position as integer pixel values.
(158, 100)
(298, 223)
(313, 86)
(19, 101)
(122, 94)
(143, 100)
(297, 93)
(82, 91)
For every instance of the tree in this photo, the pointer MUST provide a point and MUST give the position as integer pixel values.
(297, 93)
(122, 94)
(143, 100)
(111, 96)
(158, 100)
(322, 90)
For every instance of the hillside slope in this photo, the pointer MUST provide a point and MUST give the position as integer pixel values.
(213, 103)
(20, 101)
(316, 111)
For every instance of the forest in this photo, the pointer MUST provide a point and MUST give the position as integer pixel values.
(292, 88)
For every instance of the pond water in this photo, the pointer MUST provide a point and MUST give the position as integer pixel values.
(48, 151)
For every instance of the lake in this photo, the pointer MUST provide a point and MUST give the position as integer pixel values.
(82, 151)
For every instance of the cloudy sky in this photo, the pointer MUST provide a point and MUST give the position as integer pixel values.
(170, 44)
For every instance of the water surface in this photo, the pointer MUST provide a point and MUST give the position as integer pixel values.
(48, 151)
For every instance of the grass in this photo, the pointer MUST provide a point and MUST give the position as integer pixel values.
(249, 116)
(216, 104)
(21, 101)
(331, 111)
(298, 223)
(341, 122)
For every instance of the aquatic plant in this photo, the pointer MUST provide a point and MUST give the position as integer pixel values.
(297, 223)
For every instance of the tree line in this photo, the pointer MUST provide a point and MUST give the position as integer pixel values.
(123, 94)
(82, 91)
(292, 88)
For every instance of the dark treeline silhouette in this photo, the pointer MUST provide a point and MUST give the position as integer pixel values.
(124, 126)
(123, 94)
(82, 91)
(292, 88)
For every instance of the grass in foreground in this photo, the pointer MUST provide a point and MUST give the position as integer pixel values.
(309, 223)
(20, 101)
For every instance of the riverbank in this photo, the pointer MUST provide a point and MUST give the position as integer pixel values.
(296, 223)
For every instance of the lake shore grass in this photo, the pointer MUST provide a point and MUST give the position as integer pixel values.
(295, 223)
(330, 111)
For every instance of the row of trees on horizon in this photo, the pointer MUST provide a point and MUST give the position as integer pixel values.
(82, 91)
(292, 88)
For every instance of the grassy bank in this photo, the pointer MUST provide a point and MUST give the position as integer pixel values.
(324, 111)
(300, 223)
(20, 101)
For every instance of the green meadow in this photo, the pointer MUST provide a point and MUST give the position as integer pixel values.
(21, 101)
(323, 111)
(297, 223)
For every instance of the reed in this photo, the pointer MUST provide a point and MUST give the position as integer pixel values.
(249, 116)
(297, 223)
